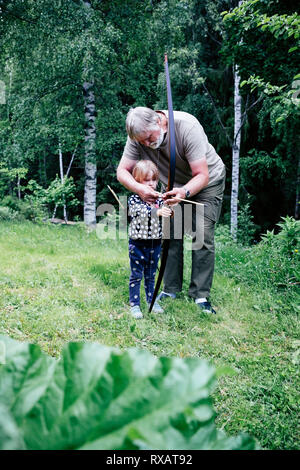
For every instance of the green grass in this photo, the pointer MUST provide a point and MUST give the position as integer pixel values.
(61, 284)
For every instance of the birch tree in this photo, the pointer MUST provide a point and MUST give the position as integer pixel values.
(89, 133)
(236, 154)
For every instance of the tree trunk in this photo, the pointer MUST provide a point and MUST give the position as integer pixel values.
(90, 155)
(61, 169)
(19, 187)
(236, 154)
(67, 175)
(89, 210)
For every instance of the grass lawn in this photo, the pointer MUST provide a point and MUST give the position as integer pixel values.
(61, 284)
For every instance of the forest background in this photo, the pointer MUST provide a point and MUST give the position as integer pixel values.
(70, 71)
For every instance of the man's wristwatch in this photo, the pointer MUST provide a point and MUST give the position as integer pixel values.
(187, 193)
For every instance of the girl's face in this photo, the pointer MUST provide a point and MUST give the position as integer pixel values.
(150, 180)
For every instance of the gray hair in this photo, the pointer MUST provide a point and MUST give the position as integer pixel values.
(139, 120)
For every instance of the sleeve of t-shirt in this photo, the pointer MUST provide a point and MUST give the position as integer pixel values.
(195, 143)
(131, 150)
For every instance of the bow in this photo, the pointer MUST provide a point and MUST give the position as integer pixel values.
(171, 178)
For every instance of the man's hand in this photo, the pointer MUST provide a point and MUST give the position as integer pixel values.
(147, 194)
(170, 196)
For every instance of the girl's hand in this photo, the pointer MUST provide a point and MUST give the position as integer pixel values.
(164, 212)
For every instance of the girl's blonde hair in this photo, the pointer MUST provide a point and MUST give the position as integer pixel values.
(144, 168)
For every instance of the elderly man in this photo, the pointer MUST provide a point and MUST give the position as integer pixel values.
(199, 176)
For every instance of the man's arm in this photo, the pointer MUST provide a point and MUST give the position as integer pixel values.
(125, 177)
(200, 179)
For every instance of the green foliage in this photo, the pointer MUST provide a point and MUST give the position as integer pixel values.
(286, 104)
(24, 209)
(247, 24)
(48, 49)
(259, 165)
(38, 200)
(192, 37)
(7, 214)
(10, 177)
(246, 226)
(96, 397)
(273, 263)
(279, 25)
(262, 38)
(258, 83)
(288, 239)
(61, 193)
(223, 235)
(12, 202)
(31, 209)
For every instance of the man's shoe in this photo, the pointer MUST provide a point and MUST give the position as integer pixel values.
(156, 308)
(165, 295)
(136, 312)
(205, 307)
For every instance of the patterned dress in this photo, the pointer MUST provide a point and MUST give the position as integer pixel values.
(145, 234)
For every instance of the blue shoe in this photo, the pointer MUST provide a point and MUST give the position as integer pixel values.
(136, 312)
(165, 295)
(156, 308)
(205, 307)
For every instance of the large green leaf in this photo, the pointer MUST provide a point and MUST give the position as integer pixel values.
(96, 397)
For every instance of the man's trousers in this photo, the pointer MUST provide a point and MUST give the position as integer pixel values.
(201, 224)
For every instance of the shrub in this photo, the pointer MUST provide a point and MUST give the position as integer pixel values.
(280, 253)
(24, 209)
(223, 235)
(289, 236)
(246, 226)
(11, 202)
(273, 263)
(8, 214)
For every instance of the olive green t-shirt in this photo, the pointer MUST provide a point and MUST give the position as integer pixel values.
(191, 144)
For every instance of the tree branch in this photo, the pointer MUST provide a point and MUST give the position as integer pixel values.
(245, 113)
(71, 161)
(53, 90)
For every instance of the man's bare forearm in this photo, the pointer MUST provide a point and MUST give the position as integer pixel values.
(197, 183)
(146, 193)
(194, 185)
(127, 180)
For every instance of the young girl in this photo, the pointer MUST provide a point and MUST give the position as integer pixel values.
(145, 233)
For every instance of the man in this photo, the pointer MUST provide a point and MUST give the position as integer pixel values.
(199, 175)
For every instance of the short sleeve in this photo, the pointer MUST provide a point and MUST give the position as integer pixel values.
(195, 143)
(131, 150)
